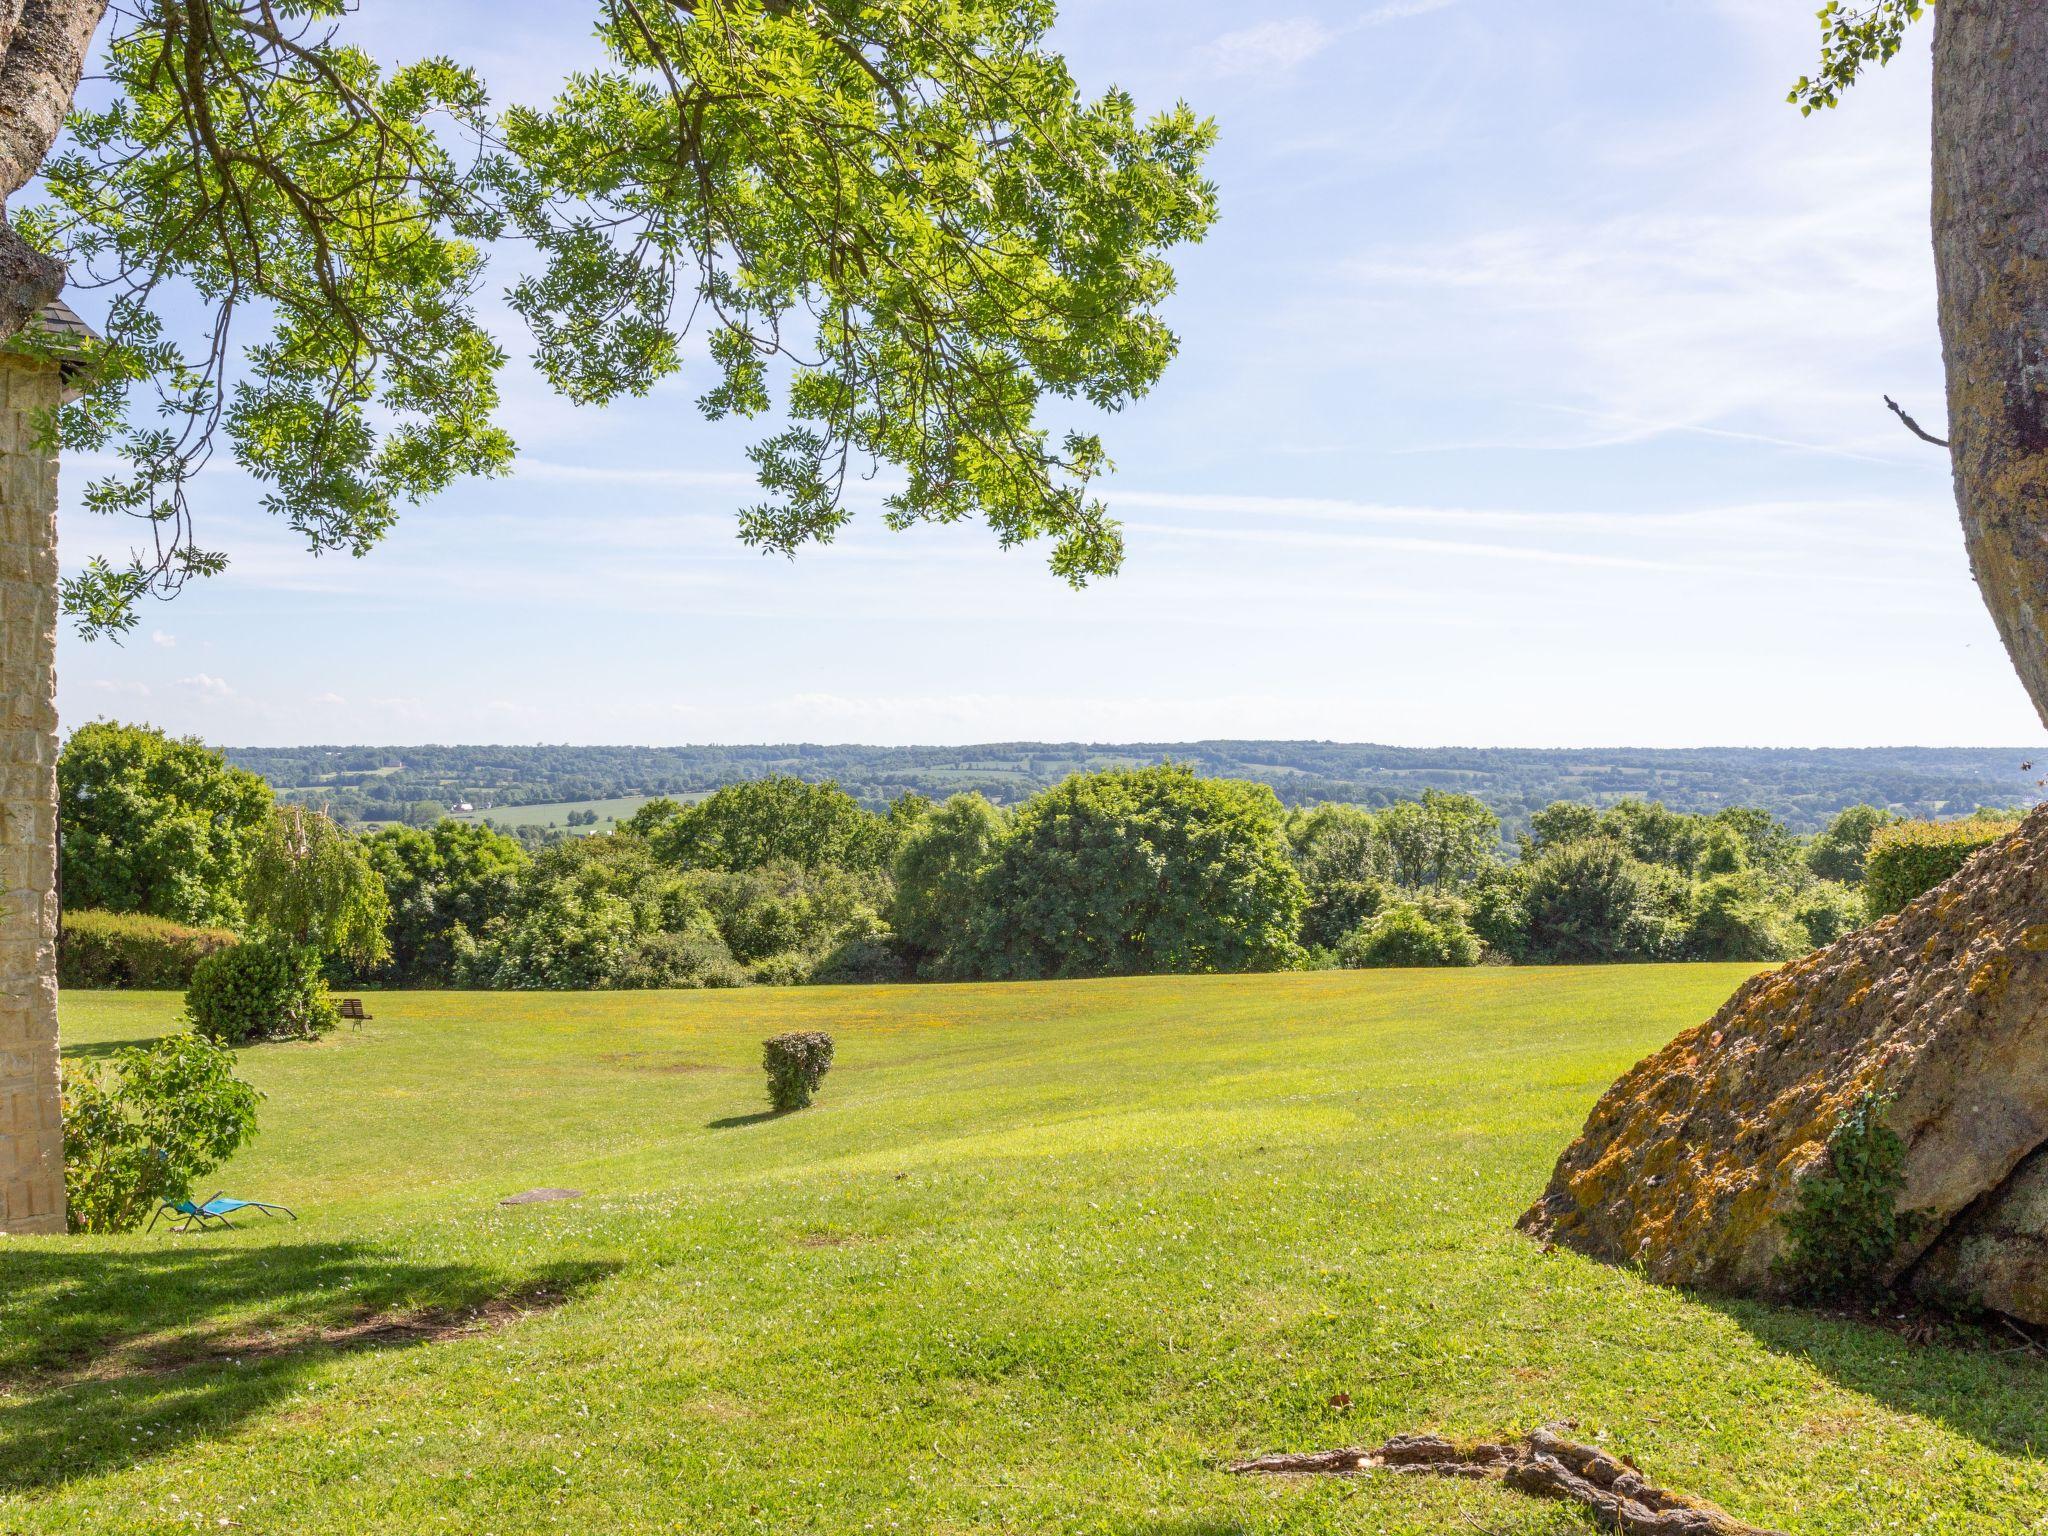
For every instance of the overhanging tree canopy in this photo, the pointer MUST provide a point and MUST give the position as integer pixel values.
(901, 231)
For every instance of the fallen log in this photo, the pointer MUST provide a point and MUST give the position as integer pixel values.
(1542, 1464)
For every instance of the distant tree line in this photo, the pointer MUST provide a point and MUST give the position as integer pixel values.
(1118, 871)
(1804, 788)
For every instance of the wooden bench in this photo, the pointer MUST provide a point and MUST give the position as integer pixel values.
(352, 1010)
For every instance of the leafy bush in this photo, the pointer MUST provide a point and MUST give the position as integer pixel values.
(1847, 1224)
(1140, 871)
(863, 952)
(141, 1127)
(1734, 916)
(1911, 858)
(678, 960)
(774, 820)
(1423, 932)
(1497, 907)
(1593, 901)
(266, 990)
(1344, 864)
(796, 1064)
(596, 913)
(1838, 850)
(128, 949)
(1827, 910)
(456, 874)
(937, 868)
(155, 823)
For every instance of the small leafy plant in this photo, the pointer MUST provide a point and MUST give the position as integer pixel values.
(1847, 1225)
(796, 1064)
(140, 1128)
(267, 990)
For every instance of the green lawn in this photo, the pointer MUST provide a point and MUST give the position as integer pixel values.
(1038, 1261)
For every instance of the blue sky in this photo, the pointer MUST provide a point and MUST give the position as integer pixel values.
(1529, 395)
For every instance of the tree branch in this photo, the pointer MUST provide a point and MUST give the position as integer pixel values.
(1913, 426)
(45, 56)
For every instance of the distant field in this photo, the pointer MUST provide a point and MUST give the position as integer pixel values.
(557, 814)
(1040, 1259)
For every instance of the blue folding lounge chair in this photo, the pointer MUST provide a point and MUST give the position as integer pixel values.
(214, 1213)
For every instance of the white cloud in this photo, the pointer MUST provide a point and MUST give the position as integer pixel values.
(1275, 48)
(163, 638)
(1270, 48)
(207, 685)
(330, 700)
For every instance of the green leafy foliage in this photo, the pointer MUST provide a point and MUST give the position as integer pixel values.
(127, 949)
(1439, 840)
(1826, 911)
(1141, 870)
(155, 824)
(797, 1063)
(269, 989)
(140, 1127)
(313, 886)
(1593, 901)
(247, 158)
(1910, 858)
(1850, 40)
(1345, 866)
(597, 913)
(1734, 915)
(785, 922)
(1497, 907)
(1838, 850)
(1846, 1226)
(938, 871)
(454, 875)
(765, 821)
(902, 228)
(923, 190)
(1423, 931)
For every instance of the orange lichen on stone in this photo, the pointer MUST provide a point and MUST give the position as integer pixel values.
(1690, 1162)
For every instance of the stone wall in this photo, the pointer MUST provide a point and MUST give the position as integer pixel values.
(31, 1132)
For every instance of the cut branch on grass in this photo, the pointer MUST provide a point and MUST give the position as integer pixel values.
(1542, 1464)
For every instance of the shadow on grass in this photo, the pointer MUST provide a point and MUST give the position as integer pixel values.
(1993, 1390)
(98, 1050)
(731, 1122)
(107, 1358)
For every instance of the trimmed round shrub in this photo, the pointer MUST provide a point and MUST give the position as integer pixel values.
(1412, 933)
(140, 1128)
(796, 1064)
(129, 949)
(268, 990)
(1913, 857)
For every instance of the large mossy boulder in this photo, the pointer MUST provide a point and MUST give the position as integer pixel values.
(1698, 1164)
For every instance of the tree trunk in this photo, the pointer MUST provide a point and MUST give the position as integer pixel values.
(1991, 263)
(31, 1130)
(43, 45)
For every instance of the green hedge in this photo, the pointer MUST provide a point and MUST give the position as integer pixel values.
(1913, 857)
(127, 949)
